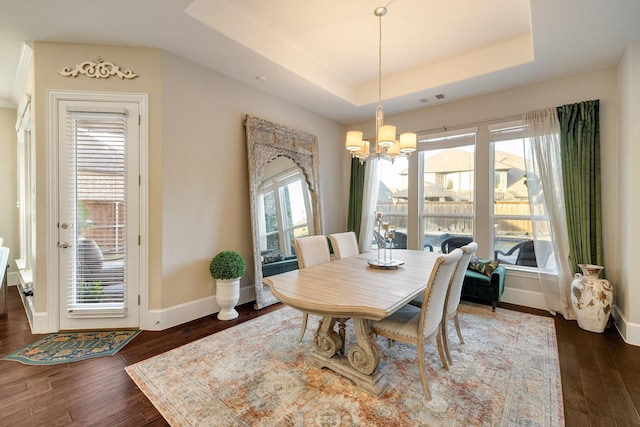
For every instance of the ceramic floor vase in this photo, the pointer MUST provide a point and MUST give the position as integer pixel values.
(227, 296)
(592, 298)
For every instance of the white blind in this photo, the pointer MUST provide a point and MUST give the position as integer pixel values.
(98, 167)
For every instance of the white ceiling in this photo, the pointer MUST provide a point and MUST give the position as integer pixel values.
(323, 55)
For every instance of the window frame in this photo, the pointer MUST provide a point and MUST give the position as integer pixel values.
(444, 140)
(484, 181)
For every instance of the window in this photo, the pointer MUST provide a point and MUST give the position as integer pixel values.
(512, 216)
(95, 189)
(393, 198)
(464, 197)
(26, 189)
(448, 186)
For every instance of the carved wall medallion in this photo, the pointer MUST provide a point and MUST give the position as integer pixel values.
(98, 69)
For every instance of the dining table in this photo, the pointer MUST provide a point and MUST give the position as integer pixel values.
(353, 288)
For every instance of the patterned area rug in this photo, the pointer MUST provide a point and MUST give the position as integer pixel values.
(255, 374)
(65, 347)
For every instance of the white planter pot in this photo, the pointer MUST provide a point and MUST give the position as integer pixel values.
(227, 296)
(591, 298)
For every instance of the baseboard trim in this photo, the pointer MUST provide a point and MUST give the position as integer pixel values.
(40, 323)
(524, 298)
(158, 320)
(13, 278)
(629, 331)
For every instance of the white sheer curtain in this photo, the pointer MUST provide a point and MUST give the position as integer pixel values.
(546, 196)
(369, 202)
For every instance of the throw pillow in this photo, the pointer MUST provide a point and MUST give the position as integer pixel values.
(484, 266)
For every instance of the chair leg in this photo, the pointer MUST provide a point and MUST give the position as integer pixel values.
(443, 359)
(457, 323)
(305, 317)
(423, 373)
(493, 305)
(445, 341)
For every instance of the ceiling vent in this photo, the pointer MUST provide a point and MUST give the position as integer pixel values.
(423, 100)
(440, 96)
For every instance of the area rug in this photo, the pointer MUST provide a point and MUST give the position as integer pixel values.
(66, 347)
(256, 374)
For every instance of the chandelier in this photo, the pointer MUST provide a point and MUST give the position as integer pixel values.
(387, 146)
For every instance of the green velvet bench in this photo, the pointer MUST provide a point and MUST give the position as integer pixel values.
(482, 287)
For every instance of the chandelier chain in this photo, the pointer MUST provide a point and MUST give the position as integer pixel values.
(387, 145)
(379, 59)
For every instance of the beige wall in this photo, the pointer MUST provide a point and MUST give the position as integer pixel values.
(601, 84)
(627, 292)
(205, 187)
(198, 185)
(8, 184)
(49, 58)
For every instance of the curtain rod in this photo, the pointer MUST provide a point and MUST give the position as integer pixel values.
(467, 124)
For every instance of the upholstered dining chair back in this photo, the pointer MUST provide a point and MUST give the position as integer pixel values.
(311, 250)
(455, 290)
(436, 293)
(453, 298)
(344, 244)
(417, 326)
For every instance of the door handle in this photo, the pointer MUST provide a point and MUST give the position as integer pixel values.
(63, 245)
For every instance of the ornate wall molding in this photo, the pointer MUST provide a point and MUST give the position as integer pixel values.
(98, 69)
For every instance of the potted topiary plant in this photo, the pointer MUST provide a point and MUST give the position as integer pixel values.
(227, 268)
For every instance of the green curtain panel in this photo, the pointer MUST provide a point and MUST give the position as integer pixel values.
(356, 192)
(580, 150)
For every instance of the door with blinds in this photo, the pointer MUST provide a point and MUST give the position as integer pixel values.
(98, 224)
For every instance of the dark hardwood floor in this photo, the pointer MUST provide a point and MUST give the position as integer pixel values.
(600, 376)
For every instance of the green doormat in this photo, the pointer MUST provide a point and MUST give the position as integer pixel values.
(65, 347)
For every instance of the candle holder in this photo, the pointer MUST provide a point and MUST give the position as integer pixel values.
(386, 234)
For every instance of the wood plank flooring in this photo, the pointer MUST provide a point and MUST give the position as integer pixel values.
(600, 376)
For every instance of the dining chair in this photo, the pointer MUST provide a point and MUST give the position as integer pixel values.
(344, 244)
(454, 242)
(453, 297)
(418, 326)
(310, 251)
(524, 254)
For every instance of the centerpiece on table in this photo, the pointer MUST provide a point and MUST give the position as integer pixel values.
(386, 233)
